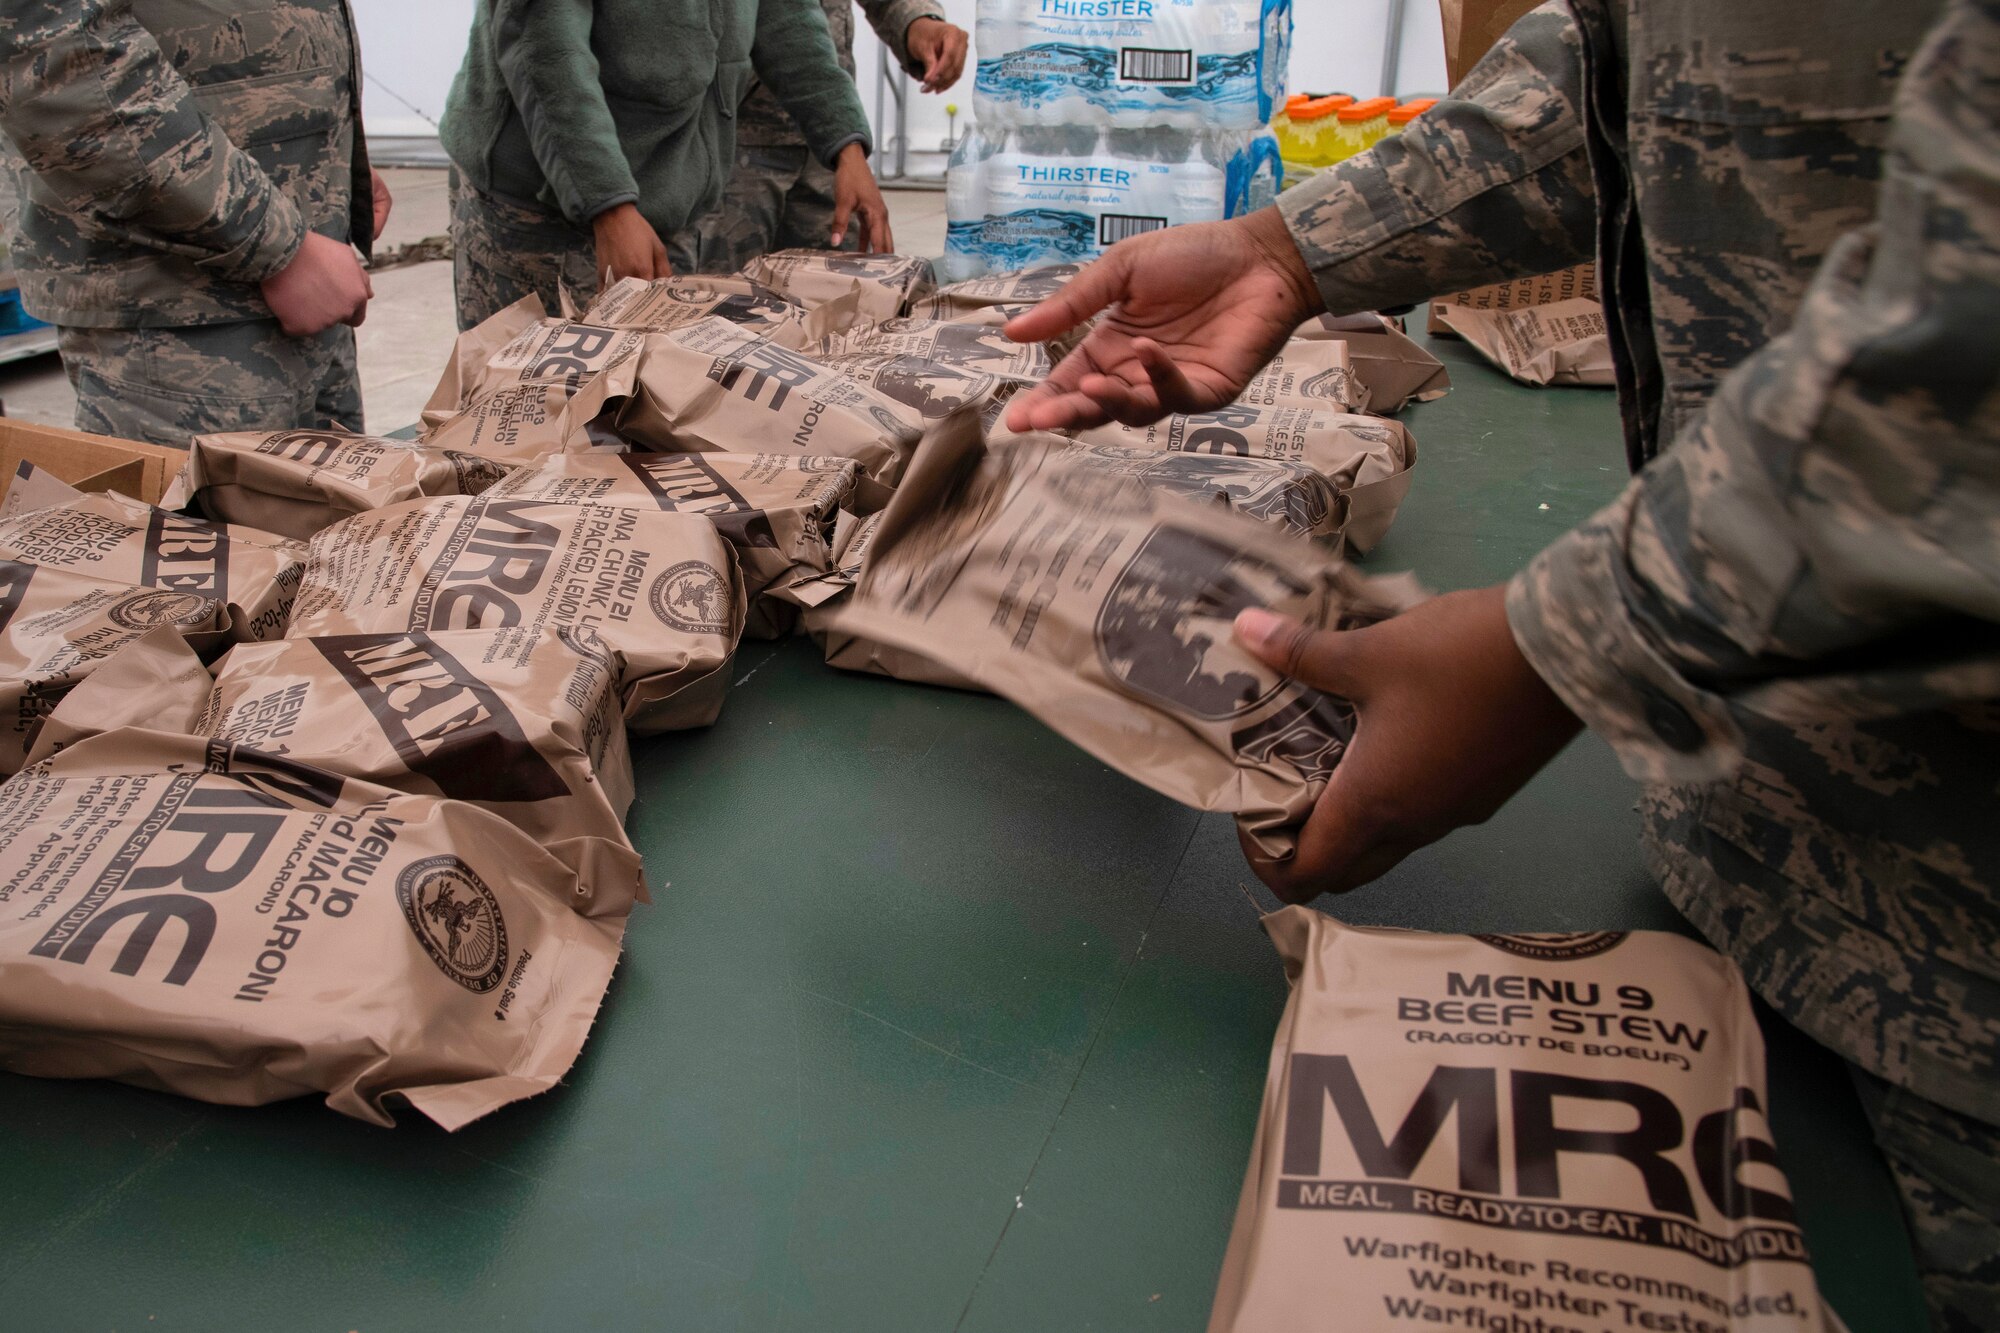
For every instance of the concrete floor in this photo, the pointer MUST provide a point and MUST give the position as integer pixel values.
(409, 329)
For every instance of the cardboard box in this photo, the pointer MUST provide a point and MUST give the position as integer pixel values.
(88, 462)
(1472, 26)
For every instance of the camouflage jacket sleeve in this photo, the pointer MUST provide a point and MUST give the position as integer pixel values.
(1824, 543)
(794, 56)
(544, 54)
(112, 131)
(891, 20)
(1492, 183)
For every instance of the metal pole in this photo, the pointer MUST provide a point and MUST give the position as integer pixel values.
(1392, 48)
(881, 89)
(902, 87)
(894, 86)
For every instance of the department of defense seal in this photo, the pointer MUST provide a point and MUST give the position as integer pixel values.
(692, 596)
(1557, 947)
(150, 610)
(457, 920)
(1334, 385)
(1163, 629)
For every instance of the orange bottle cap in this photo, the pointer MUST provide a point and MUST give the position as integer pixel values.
(1319, 108)
(1368, 110)
(1409, 111)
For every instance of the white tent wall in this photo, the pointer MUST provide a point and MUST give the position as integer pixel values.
(410, 52)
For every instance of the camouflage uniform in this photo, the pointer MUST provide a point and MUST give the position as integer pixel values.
(1789, 624)
(779, 197)
(503, 249)
(171, 158)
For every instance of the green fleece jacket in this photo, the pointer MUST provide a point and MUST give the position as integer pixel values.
(580, 105)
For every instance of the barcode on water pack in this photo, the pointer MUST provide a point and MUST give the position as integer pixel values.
(1140, 64)
(1115, 227)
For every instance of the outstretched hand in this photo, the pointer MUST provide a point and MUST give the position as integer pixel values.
(1450, 722)
(1191, 314)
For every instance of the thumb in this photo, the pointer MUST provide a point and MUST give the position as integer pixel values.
(1097, 286)
(1323, 659)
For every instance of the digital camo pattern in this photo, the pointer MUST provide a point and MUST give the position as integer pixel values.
(763, 122)
(1947, 1168)
(1778, 112)
(1787, 624)
(1489, 184)
(168, 385)
(777, 198)
(503, 250)
(172, 154)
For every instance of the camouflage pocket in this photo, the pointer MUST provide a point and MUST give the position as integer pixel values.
(295, 127)
(1765, 68)
(272, 108)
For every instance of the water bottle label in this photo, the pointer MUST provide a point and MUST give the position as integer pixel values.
(1002, 243)
(1008, 208)
(1216, 63)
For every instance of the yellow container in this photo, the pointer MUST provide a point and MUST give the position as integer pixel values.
(1400, 117)
(1313, 123)
(1281, 126)
(1360, 127)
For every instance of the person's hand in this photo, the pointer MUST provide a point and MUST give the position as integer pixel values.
(1450, 722)
(627, 246)
(1195, 311)
(324, 285)
(383, 203)
(940, 48)
(856, 195)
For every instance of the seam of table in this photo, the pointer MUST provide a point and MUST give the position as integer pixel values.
(1097, 1032)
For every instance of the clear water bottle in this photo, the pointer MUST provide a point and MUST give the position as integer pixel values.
(1024, 195)
(1192, 64)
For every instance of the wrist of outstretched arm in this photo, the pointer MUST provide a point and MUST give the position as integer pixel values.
(1578, 614)
(901, 20)
(1343, 284)
(1268, 230)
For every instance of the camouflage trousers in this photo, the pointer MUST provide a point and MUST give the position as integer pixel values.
(503, 250)
(168, 385)
(777, 198)
(1947, 1168)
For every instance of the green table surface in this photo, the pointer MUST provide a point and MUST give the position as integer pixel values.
(935, 1023)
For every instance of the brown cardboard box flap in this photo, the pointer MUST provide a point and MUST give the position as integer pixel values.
(88, 462)
(1472, 26)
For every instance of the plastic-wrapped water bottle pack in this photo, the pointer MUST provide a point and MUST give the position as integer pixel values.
(1132, 63)
(1020, 196)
